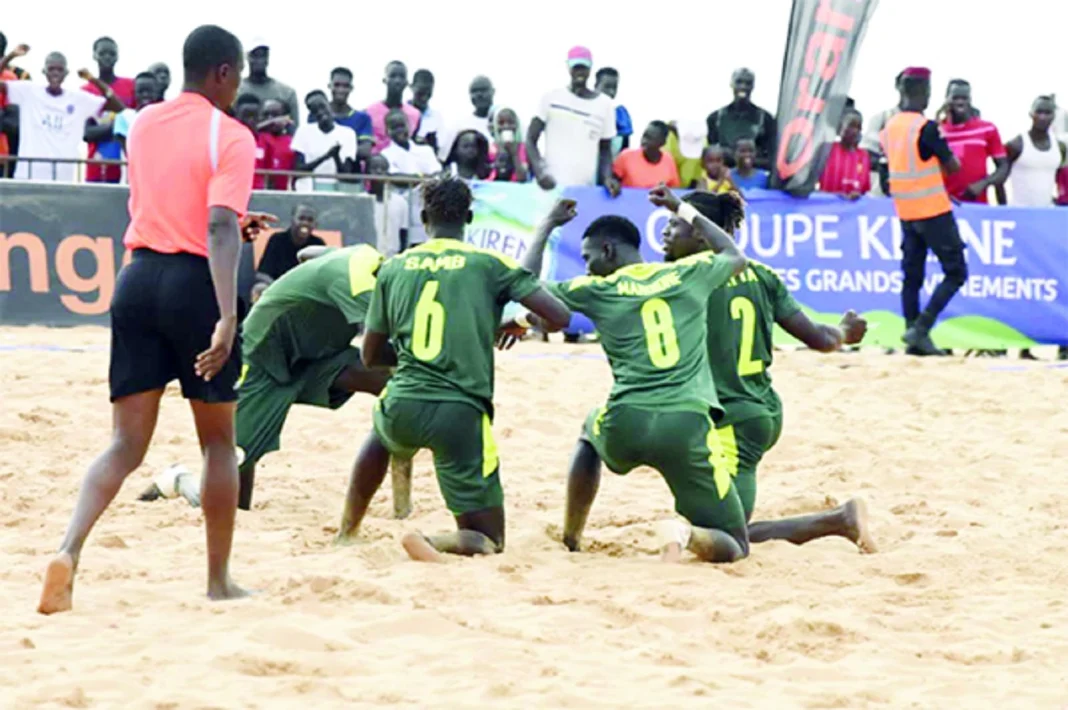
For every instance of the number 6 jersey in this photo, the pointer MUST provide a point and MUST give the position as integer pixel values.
(741, 320)
(653, 328)
(441, 303)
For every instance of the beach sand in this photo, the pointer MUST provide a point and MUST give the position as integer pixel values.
(962, 463)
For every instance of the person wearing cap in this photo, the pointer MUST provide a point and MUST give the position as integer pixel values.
(742, 118)
(917, 155)
(264, 87)
(579, 125)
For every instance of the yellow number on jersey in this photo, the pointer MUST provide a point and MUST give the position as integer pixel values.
(660, 335)
(742, 308)
(429, 324)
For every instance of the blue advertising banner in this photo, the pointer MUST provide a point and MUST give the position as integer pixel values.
(836, 255)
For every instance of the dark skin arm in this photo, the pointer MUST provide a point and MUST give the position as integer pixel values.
(562, 212)
(996, 178)
(825, 338)
(113, 103)
(721, 242)
(303, 165)
(537, 163)
(376, 351)
(604, 166)
(224, 248)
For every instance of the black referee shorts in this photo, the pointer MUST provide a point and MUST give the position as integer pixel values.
(162, 316)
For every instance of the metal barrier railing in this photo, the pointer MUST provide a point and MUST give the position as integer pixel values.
(293, 175)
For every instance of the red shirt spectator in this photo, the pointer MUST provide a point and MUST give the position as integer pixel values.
(973, 141)
(848, 167)
(275, 132)
(106, 54)
(1062, 186)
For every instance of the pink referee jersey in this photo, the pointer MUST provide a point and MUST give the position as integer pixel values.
(185, 157)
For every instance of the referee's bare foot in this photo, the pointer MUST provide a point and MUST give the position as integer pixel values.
(58, 592)
(224, 591)
(856, 521)
(419, 548)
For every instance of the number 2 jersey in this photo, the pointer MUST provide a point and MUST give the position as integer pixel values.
(441, 304)
(652, 324)
(741, 321)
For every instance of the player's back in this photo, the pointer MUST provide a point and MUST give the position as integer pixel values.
(741, 324)
(652, 324)
(441, 304)
(320, 304)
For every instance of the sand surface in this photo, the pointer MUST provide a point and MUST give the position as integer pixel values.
(964, 465)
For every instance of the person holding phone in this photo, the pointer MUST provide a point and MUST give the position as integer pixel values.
(508, 154)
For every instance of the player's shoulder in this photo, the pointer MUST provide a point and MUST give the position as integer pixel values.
(469, 253)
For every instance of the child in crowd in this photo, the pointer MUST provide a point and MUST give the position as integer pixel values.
(717, 178)
(745, 174)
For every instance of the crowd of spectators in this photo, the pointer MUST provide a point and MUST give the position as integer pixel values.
(580, 135)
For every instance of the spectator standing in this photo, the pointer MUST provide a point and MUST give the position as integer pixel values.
(396, 81)
(847, 168)
(248, 110)
(871, 140)
(469, 157)
(607, 83)
(345, 115)
(431, 125)
(9, 115)
(1034, 158)
(973, 141)
(717, 177)
(579, 125)
(146, 93)
(686, 144)
(263, 86)
(280, 256)
(322, 146)
(99, 133)
(276, 131)
(745, 174)
(163, 78)
(943, 112)
(391, 216)
(412, 161)
(482, 93)
(52, 119)
(743, 119)
(508, 153)
(647, 166)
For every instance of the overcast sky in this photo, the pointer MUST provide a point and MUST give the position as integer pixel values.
(677, 66)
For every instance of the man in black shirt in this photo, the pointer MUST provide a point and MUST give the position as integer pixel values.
(743, 119)
(281, 253)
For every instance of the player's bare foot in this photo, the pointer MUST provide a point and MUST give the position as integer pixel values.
(58, 592)
(419, 548)
(401, 511)
(671, 553)
(346, 539)
(226, 591)
(856, 517)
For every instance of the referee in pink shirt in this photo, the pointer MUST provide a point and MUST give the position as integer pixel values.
(174, 312)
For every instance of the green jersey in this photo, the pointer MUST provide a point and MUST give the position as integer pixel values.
(741, 318)
(651, 320)
(441, 304)
(312, 312)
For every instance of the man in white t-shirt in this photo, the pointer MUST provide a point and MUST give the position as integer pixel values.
(579, 125)
(431, 129)
(482, 94)
(391, 216)
(412, 161)
(52, 119)
(323, 147)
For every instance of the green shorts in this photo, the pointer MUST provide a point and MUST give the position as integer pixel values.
(744, 444)
(683, 447)
(263, 403)
(460, 437)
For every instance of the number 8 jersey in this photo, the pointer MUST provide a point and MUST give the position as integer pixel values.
(441, 304)
(652, 325)
(741, 321)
